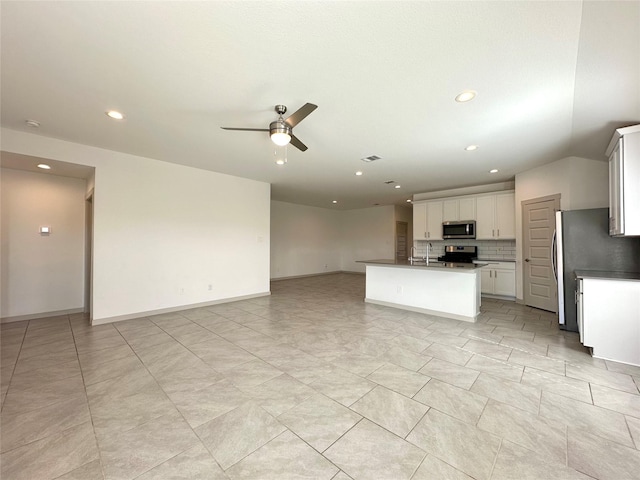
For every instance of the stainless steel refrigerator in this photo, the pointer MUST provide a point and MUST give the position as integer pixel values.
(582, 242)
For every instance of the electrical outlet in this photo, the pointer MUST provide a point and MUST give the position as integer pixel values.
(400, 289)
(210, 287)
(182, 291)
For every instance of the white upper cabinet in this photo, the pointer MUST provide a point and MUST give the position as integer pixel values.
(450, 210)
(434, 220)
(624, 182)
(459, 209)
(419, 221)
(506, 215)
(467, 209)
(496, 216)
(427, 220)
(494, 213)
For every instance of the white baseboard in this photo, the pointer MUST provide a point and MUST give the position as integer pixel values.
(315, 275)
(131, 316)
(33, 316)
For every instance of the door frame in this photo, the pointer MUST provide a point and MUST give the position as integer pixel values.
(88, 258)
(556, 198)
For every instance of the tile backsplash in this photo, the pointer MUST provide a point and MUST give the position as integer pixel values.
(487, 249)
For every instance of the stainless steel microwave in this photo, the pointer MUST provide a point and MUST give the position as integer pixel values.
(461, 229)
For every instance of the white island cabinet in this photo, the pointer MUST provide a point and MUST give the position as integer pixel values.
(444, 289)
(609, 314)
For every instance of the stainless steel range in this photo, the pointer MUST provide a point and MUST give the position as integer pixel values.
(459, 254)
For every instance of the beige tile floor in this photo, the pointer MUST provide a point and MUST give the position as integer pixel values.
(313, 383)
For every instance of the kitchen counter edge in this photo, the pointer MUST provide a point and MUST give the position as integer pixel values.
(608, 275)
(433, 265)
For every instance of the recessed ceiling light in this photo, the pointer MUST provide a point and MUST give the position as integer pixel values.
(280, 162)
(32, 123)
(335, 201)
(466, 96)
(115, 115)
(408, 200)
(44, 166)
(495, 170)
(397, 186)
(358, 173)
(471, 148)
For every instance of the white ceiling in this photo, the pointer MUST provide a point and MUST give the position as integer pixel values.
(553, 79)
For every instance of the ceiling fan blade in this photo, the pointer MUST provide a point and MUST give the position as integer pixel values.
(247, 129)
(295, 141)
(300, 114)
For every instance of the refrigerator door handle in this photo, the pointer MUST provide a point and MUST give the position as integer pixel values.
(559, 263)
(554, 260)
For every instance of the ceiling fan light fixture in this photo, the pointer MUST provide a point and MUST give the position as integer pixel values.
(465, 96)
(280, 133)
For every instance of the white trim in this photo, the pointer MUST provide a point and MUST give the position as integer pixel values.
(305, 275)
(131, 316)
(33, 316)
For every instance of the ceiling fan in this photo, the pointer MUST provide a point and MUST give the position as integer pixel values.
(281, 131)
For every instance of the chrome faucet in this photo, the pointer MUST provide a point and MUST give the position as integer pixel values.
(411, 258)
(429, 247)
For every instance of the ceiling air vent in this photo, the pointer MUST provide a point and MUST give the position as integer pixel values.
(371, 158)
(389, 182)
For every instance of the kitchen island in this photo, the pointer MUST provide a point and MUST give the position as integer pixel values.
(449, 290)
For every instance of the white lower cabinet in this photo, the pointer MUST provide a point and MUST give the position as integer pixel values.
(609, 318)
(498, 278)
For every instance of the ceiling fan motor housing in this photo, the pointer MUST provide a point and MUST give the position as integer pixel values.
(279, 127)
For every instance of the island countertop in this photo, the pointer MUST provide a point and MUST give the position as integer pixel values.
(461, 267)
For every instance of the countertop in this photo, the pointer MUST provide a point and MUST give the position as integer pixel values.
(433, 264)
(490, 260)
(603, 274)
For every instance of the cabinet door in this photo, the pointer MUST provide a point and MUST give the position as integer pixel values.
(434, 220)
(580, 306)
(615, 192)
(505, 216)
(467, 209)
(419, 221)
(485, 212)
(450, 211)
(486, 279)
(504, 282)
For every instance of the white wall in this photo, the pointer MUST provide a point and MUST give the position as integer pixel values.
(164, 232)
(304, 240)
(41, 274)
(367, 234)
(310, 240)
(581, 183)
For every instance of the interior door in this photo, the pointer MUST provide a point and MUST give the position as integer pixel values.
(401, 240)
(538, 223)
